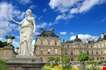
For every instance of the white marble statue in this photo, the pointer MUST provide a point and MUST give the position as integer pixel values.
(26, 34)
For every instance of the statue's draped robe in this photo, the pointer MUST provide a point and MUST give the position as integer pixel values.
(26, 34)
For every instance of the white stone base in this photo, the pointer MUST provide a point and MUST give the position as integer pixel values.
(24, 57)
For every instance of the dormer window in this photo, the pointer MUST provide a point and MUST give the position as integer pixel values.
(77, 39)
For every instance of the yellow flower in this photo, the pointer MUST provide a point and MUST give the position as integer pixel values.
(57, 67)
(74, 67)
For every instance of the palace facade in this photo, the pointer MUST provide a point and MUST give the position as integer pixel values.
(48, 44)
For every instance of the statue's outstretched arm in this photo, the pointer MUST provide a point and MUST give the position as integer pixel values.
(22, 22)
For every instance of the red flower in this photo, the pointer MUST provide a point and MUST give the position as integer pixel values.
(104, 67)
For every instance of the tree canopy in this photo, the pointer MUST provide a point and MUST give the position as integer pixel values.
(83, 56)
(2, 44)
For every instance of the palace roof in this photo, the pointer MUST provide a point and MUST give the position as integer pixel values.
(48, 34)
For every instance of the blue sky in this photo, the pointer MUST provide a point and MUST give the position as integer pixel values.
(68, 17)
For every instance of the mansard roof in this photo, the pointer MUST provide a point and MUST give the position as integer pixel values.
(77, 39)
(48, 34)
(100, 38)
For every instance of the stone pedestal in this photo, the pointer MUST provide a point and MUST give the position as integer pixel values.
(25, 63)
(24, 57)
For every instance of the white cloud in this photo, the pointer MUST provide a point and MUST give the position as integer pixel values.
(18, 14)
(24, 1)
(85, 37)
(66, 33)
(62, 5)
(102, 1)
(54, 3)
(32, 6)
(42, 25)
(2, 39)
(16, 44)
(64, 17)
(50, 24)
(85, 6)
(72, 37)
(37, 33)
(45, 25)
(73, 6)
(71, 33)
(63, 33)
(33, 42)
(7, 13)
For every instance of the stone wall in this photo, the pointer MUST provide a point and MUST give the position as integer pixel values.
(6, 53)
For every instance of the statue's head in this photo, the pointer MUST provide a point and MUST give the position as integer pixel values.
(29, 12)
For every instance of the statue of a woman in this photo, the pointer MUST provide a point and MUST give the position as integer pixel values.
(26, 33)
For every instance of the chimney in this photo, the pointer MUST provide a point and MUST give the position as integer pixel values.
(102, 36)
(77, 37)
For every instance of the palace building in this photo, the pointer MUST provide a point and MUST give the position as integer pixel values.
(48, 44)
(95, 50)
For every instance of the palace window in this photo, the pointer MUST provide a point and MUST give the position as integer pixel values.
(71, 53)
(96, 52)
(68, 46)
(45, 42)
(55, 43)
(97, 58)
(56, 51)
(71, 59)
(41, 52)
(103, 58)
(87, 52)
(49, 50)
(92, 53)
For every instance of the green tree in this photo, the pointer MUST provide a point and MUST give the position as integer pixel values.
(51, 59)
(66, 59)
(66, 62)
(82, 58)
(2, 44)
